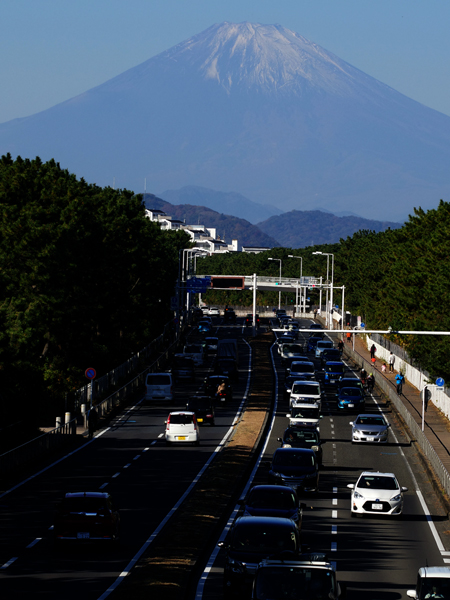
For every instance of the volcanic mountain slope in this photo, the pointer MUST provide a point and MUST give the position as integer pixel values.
(253, 108)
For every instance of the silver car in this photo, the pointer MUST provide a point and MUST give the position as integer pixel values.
(372, 428)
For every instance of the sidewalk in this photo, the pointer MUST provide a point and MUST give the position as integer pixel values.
(436, 426)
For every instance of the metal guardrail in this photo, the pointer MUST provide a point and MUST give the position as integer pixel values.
(34, 450)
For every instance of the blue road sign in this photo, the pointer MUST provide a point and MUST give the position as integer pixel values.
(440, 382)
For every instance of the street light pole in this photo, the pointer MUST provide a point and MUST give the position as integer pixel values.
(279, 293)
(329, 308)
(300, 282)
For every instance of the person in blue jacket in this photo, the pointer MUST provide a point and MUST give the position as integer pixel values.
(399, 379)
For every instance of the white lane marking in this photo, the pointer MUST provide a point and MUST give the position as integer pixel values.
(115, 475)
(103, 486)
(160, 435)
(137, 456)
(334, 514)
(9, 563)
(335, 490)
(334, 445)
(194, 482)
(334, 529)
(34, 542)
(335, 501)
(333, 546)
(126, 466)
(145, 449)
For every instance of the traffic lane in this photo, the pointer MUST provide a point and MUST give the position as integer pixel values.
(387, 551)
(119, 449)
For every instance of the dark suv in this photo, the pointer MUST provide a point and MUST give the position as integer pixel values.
(229, 315)
(295, 467)
(249, 320)
(203, 407)
(183, 367)
(251, 540)
(211, 385)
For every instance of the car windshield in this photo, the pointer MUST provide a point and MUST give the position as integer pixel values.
(194, 348)
(300, 367)
(281, 498)
(305, 412)
(370, 421)
(263, 540)
(334, 368)
(301, 583)
(306, 436)
(293, 459)
(292, 348)
(377, 482)
(182, 361)
(181, 419)
(158, 379)
(324, 344)
(353, 392)
(302, 388)
(85, 505)
(435, 587)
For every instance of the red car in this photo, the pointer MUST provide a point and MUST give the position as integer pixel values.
(87, 517)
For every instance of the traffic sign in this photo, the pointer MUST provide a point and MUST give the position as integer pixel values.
(440, 382)
(91, 373)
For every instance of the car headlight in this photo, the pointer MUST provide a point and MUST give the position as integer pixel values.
(275, 474)
(315, 448)
(357, 495)
(396, 498)
(356, 434)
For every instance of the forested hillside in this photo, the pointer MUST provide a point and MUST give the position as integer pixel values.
(85, 280)
(396, 278)
(298, 229)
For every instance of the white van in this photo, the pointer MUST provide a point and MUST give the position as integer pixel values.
(306, 392)
(158, 386)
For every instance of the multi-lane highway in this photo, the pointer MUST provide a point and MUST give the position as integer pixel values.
(377, 557)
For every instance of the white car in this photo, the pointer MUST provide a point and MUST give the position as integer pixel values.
(305, 415)
(432, 582)
(376, 493)
(182, 427)
(306, 392)
(213, 311)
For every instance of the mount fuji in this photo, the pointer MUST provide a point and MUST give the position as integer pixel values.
(252, 109)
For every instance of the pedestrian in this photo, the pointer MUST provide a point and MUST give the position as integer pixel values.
(370, 383)
(373, 349)
(341, 346)
(92, 421)
(315, 314)
(399, 379)
(349, 336)
(363, 375)
(373, 360)
(391, 362)
(383, 368)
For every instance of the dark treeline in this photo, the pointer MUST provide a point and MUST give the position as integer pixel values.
(85, 280)
(396, 278)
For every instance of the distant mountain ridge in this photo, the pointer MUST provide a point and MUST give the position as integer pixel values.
(257, 109)
(298, 229)
(230, 203)
(228, 227)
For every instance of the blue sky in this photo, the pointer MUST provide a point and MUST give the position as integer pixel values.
(53, 50)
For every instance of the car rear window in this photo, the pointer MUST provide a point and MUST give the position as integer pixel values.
(301, 367)
(264, 498)
(182, 419)
(158, 379)
(84, 505)
(263, 540)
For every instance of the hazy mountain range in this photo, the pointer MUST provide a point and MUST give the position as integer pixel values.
(295, 229)
(254, 109)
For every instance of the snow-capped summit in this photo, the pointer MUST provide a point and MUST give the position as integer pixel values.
(253, 109)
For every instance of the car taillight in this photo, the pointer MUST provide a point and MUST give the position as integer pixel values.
(168, 420)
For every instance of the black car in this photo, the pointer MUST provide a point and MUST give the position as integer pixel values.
(211, 386)
(229, 316)
(305, 370)
(203, 407)
(295, 467)
(350, 382)
(183, 367)
(302, 437)
(227, 366)
(330, 354)
(87, 517)
(273, 501)
(249, 320)
(251, 540)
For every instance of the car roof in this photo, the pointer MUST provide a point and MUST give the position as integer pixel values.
(434, 572)
(311, 383)
(372, 473)
(272, 488)
(86, 495)
(370, 415)
(181, 412)
(334, 363)
(294, 451)
(264, 521)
